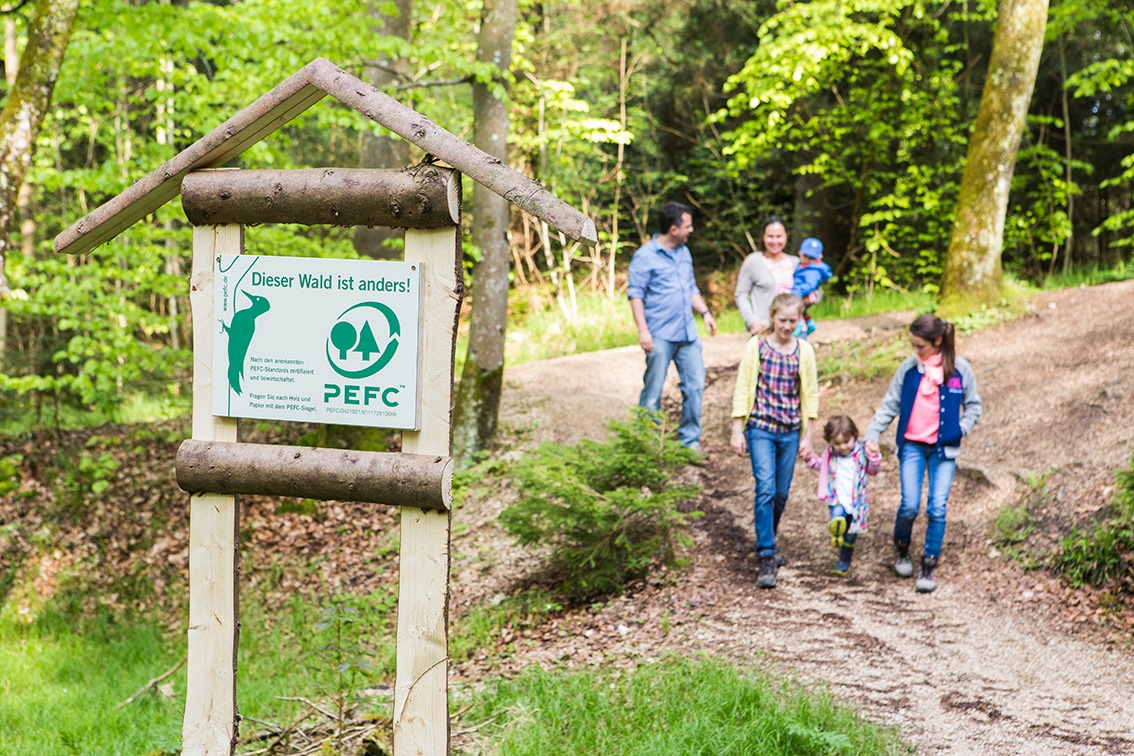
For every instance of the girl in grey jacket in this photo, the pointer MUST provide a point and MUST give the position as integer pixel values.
(934, 396)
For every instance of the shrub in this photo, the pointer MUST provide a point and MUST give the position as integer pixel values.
(1104, 552)
(608, 511)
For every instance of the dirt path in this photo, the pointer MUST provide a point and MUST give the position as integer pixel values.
(989, 663)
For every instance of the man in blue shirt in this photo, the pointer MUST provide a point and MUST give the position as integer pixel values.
(664, 297)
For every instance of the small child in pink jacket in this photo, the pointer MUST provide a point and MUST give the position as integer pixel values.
(842, 484)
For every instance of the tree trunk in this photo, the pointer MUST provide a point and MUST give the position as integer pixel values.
(478, 395)
(385, 151)
(49, 33)
(973, 274)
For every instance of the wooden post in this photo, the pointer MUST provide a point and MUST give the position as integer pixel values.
(210, 700)
(421, 705)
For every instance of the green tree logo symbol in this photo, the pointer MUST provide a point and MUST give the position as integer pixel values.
(353, 350)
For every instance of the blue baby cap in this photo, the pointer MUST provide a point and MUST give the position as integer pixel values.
(811, 247)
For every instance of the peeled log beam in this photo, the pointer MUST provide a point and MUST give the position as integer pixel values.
(424, 196)
(417, 480)
(520, 190)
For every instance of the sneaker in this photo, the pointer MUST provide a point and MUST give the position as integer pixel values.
(838, 528)
(903, 565)
(842, 567)
(927, 575)
(767, 576)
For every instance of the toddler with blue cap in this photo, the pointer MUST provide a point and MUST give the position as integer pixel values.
(807, 280)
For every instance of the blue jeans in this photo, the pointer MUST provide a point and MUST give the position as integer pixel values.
(915, 460)
(773, 465)
(691, 378)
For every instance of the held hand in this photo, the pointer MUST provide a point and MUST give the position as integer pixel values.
(872, 449)
(757, 327)
(805, 448)
(738, 443)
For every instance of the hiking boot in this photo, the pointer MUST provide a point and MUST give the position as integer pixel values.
(903, 565)
(780, 561)
(842, 567)
(767, 576)
(838, 528)
(927, 575)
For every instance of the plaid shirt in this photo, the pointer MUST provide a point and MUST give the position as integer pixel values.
(777, 407)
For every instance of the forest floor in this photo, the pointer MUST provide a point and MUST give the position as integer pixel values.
(998, 660)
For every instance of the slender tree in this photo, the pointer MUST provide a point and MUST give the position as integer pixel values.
(385, 151)
(49, 33)
(478, 396)
(973, 273)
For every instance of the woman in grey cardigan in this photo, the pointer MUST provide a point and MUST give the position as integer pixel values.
(759, 282)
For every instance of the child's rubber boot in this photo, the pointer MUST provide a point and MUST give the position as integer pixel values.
(810, 327)
(838, 528)
(846, 553)
(903, 565)
(927, 575)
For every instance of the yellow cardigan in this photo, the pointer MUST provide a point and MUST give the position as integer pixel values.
(748, 374)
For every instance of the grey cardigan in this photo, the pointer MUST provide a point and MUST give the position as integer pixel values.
(755, 289)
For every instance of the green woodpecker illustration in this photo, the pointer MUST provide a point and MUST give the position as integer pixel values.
(240, 332)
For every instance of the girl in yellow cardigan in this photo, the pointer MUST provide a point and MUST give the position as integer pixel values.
(775, 401)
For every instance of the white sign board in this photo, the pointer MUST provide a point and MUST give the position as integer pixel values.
(314, 340)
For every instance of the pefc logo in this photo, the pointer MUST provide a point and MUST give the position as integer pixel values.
(363, 340)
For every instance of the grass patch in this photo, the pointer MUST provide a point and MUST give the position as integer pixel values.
(1103, 552)
(880, 300)
(61, 681)
(677, 706)
(855, 359)
(60, 688)
(1089, 276)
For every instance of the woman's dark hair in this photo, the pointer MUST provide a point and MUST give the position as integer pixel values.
(839, 426)
(670, 214)
(931, 328)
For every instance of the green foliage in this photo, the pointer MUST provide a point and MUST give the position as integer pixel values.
(343, 658)
(860, 101)
(90, 474)
(608, 510)
(10, 473)
(648, 711)
(1103, 552)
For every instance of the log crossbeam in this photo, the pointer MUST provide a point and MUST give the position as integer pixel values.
(424, 481)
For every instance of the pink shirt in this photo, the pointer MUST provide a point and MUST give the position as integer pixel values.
(783, 270)
(925, 414)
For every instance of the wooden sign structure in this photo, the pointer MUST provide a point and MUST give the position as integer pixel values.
(215, 467)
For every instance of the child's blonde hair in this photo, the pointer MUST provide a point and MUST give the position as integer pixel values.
(783, 302)
(839, 426)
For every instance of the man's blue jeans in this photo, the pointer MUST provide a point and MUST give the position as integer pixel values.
(916, 460)
(686, 355)
(773, 465)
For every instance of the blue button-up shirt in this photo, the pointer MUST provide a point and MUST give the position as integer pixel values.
(663, 280)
